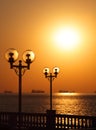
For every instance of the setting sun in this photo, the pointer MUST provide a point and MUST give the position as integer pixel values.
(60, 33)
(67, 38)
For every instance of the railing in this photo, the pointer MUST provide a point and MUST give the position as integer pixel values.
(22, 120)
(75, 122)
(45, 120)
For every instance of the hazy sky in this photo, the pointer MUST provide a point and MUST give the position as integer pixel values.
(39, 25)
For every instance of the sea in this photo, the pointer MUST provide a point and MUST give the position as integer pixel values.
(63, 103)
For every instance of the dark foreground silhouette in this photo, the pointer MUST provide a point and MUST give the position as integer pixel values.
(45, 121)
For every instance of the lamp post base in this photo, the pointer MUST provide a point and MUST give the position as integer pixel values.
(51, 118)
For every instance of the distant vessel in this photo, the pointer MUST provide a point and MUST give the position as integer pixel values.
(38, 91)
(65, 91)
(8, 92)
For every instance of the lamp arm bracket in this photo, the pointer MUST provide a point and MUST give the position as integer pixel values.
(22, 72)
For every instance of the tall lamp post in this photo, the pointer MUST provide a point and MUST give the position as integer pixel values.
(51, 77)
(28, 57)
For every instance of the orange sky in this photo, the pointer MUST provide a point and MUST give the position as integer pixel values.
(31, 24)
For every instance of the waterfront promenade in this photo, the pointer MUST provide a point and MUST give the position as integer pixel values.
(48, 121)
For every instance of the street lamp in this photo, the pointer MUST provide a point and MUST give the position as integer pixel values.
(51, 77)
(28, 57)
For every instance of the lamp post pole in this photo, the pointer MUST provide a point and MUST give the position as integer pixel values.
(20, 86)
(19, 71)
(51, 77)
(51, 91)
(28, 57)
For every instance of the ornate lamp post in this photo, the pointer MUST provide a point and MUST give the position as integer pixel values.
(51, 77)
(28, 57)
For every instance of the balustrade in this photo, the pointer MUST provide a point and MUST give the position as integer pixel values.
(39, 120)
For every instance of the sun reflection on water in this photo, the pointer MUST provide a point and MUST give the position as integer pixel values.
(70, 103)
(67, 94)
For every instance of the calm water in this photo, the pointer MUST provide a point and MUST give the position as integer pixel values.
(75, 104)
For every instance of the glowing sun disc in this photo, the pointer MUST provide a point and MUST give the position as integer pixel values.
(66, 38)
